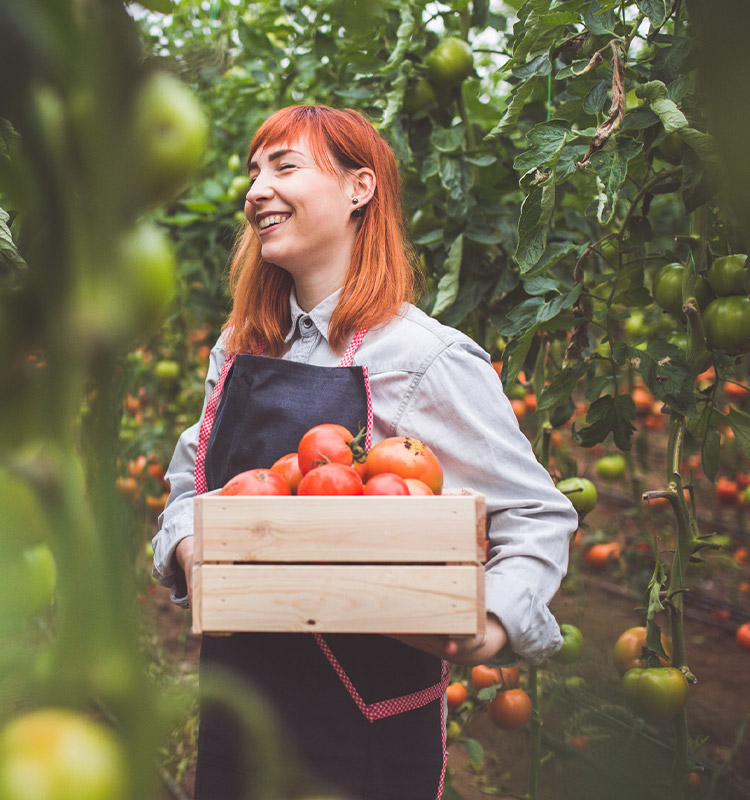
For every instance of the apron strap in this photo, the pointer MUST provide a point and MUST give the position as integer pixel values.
(386, 708)
(204, 434)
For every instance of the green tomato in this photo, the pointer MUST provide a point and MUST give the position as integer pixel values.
(449, 63)
(581, 492)
(728, 275)
(726, 322)
(419, 94)
(170, 135)
(238, 187)
(167, 371)
(234, 163)
(656, 694)
(611, 467)
(28, 580)
(24, 523)
(59, 754)
(667, 289)
(678, 339)
(572, 645)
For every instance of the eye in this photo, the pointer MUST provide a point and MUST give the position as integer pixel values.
(283, 167)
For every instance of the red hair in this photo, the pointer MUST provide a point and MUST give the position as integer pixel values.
(383, 272)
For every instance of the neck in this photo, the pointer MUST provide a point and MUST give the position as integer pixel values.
(313, 285)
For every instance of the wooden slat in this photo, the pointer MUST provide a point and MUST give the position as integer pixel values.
(341, 598)
(449, 527)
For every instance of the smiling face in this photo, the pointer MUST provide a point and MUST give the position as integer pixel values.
(301, 213)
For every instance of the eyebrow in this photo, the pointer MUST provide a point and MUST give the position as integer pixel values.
(275, 156)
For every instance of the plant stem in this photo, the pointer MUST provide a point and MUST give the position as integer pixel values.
(536, 735)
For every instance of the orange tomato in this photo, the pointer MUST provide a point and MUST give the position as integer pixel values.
(510, 710)
(643, 400)
(733, 391)
(407, 457)
(519, 408)
(530, 402)
(598, 556)
(483, 676)
(455, 694)
(628, 649)
(417, 487)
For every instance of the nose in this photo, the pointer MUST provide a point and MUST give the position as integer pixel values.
(260, 189)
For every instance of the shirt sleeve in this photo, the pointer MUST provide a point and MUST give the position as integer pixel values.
(459, 409)
(176, 521)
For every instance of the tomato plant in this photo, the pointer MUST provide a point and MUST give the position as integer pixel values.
(331, 478)
(630, 650)
(572, 644)
(656, 694)
(408, 458)
(510, 709)
(256, 482)
(58, 754)
(581, 492)
(330, 443)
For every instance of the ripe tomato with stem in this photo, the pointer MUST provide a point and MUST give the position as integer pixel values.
(329, 443)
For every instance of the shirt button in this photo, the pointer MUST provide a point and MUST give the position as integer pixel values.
(306, 322)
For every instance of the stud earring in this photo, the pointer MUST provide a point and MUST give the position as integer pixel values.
(355, 200)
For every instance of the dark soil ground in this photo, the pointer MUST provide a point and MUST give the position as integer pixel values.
(625, 760)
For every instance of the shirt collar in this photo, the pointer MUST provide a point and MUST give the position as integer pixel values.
(320, 315)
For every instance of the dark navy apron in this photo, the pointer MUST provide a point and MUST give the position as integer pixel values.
(364, 713)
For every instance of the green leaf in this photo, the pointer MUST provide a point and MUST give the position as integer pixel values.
(607, 415)
(447, 289)
(594, 101)
(12, 265)
(447, 140)
(457, 178)
(541, 65)
(548, 140)
(561, 387)
(739, 422)
(666, 374)
(711, 453)
(553, 254)
(474, 750)
(515, 354)
(536, 211)
(599, 22)
(655, 10)
(512, 110)
(610, 166)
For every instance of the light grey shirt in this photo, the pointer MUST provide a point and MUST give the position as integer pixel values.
(434, 383)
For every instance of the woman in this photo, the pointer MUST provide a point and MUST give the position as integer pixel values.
(322, 281)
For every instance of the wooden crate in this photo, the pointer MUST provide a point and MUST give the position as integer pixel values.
(339, 564)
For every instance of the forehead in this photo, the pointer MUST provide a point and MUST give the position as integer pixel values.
(302, 145)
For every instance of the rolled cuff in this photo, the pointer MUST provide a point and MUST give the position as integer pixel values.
(165, 569)
(533, 632)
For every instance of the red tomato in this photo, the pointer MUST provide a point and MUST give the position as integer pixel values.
(736, 392)
(483, 676)
(726, 491)
(386, 483)
(407, 457)
(510, 710)
(330, 479)
(743, 636)
(417, 487)
(288, 467)
(328, 443)
(629, 648)
(256, 481)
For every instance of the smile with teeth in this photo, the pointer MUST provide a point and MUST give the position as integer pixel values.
(272, 219)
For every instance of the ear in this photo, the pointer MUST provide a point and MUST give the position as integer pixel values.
(362, 185)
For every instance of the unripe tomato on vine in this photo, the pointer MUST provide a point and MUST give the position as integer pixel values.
(449, 63)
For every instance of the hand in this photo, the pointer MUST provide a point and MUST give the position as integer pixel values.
(471, 650)
(184, 555)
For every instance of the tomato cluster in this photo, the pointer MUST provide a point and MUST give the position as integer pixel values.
(331, 461)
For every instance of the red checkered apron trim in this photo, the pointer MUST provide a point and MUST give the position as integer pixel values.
(371, 711)
(386, 708)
